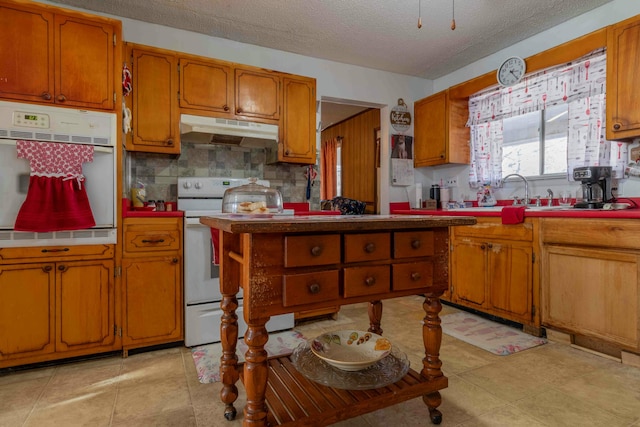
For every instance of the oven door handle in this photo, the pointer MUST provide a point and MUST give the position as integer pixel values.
(193, 221)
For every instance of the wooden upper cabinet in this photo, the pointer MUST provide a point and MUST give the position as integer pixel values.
(206, 85)
(440, 134)
(257, 94)
(298, 124)
(155, 114)
(57, 58)
(623, 74)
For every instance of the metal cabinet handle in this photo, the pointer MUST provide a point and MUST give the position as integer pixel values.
(152, 241)
(62, 267)
(47, 268)
(46, 96)
(617, 126)
(55, 250)
(370, 281)
(225, 107)
(314, 288)
(415, 276)
(370, 248)
(415, 244)
(174, 261)
(239, 111)
(170, 142)
(61, 98)
(316, 250)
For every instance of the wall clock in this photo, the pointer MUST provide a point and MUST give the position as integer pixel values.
(511, 71)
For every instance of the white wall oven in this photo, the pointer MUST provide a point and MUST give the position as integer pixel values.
(202, 196)
(57, 133)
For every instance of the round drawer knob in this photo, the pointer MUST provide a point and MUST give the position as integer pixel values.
(314, 288)
(617, 126)
(415, 244)
(370, 248)
(370, 281)
(415, 276)
(316, 251)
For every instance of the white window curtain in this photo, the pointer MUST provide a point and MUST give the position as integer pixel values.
(580, 84)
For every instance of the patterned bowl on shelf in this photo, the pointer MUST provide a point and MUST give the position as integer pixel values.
(350, 350)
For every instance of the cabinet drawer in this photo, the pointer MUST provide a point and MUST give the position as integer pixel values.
(492, 228)
(152, 234)
(51, 253)
(301, 251)
(614, 233)
(366, 280)
(409, 244)
(412, 275)
(367, 247)
(310, 288)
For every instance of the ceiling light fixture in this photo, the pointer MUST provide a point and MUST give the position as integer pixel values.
(453, 15)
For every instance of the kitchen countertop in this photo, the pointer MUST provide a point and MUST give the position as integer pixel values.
(633, 213)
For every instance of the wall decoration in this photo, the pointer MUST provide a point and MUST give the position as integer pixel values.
(400, 116)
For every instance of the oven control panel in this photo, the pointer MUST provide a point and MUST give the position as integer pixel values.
(31, 120)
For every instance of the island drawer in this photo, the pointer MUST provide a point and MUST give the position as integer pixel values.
(310, 250)
(309, 288)
(366, 280)
(412, 275)
(407, 244)
(367, 247)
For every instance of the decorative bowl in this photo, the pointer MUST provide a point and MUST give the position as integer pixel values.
(350, 350)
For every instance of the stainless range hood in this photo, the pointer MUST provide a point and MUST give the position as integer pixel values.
(215, 131)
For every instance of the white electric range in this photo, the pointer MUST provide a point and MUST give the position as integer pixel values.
(202, 196)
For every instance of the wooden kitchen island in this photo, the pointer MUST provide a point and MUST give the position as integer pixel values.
(286, 264)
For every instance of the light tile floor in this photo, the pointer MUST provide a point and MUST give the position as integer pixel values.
(550, 385)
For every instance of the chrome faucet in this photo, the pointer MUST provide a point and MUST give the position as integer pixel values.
(549, 197)
(526, 199)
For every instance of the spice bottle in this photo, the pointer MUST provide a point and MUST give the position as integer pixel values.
(160, 206)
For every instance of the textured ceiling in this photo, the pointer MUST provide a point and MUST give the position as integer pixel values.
(379, 34)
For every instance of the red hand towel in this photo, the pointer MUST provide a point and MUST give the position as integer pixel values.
(215, 245)
(513, 214)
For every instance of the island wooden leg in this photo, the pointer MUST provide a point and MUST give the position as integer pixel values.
(431, 364)
(375, 317)
(255, 374)
(229, 360)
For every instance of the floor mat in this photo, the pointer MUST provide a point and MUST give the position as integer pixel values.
(207, 357)
(490, 336)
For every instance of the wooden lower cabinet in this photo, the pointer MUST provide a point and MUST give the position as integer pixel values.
(494, 270)
(152, 300)
(53, 310)
(590, 287)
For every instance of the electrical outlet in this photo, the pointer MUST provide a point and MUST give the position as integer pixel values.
(452, 182)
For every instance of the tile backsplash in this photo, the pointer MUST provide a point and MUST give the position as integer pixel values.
(159, 172)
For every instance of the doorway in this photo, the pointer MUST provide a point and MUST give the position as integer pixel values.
(357, 126)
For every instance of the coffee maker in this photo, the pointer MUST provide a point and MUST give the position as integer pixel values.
(596, 186)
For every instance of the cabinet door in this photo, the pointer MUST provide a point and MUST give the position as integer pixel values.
(206, 86)
(152, 300)
(26, 49)
(85, 298)
(27, 306)
(468, 272)
(623, 74)
(257, 94)
(84, 52)
(592, 292)
(430, 128)
(510, 271)
(298, 131)
(155, 102)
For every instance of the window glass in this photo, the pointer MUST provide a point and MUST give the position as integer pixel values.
(528, 151)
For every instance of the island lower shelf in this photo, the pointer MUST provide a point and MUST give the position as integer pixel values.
(294, 400)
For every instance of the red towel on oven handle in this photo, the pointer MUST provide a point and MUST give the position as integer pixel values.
(215, 246)
(513, 214)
